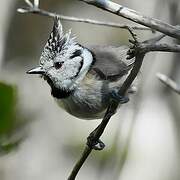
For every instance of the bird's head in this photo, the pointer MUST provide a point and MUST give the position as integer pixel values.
(63, 62)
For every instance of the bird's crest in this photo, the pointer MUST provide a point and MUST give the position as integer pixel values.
(57, 40)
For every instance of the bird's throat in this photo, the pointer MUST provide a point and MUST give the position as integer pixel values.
(57, 92)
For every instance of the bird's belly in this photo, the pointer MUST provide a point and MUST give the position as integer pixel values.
(88, 101)
(83, 109)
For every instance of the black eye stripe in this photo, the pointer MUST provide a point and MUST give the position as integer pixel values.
(75, 54)
(81, 65)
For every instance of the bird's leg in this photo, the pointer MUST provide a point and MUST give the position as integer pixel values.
(94, 143)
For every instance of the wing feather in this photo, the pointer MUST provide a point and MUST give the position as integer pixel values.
(110, 62)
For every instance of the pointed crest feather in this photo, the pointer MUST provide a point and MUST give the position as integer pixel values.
(67, 37)
(57, 41)
(58, 26)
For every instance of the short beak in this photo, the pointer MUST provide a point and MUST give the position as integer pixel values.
(36, 70)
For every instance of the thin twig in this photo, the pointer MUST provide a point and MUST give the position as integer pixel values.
(138, 51)
(79, 164)
(156, 38)
(36, 3)
(36, 10)
(169, 82)
(29, 3)
(136, 17)
(131, 31)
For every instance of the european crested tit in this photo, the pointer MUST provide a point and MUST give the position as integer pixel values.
(82, 79)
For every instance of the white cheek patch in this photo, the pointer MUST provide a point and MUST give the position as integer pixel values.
(71, 67)
(87, 61)
(64, 77)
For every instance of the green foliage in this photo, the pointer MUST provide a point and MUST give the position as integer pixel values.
(7, 108)
(5, 148)
(8, 117)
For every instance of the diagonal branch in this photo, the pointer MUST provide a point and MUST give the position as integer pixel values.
(139, 56)
(169, 82)
(138, 50)
(135, 16)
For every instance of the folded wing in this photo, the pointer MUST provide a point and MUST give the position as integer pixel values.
(110, 62)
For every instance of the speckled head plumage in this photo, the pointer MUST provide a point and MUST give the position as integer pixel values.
(63, 61)
(58, 44)
(81, 79)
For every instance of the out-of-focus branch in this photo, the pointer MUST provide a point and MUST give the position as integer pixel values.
(169, 82)
(135, 16)
(34, 9)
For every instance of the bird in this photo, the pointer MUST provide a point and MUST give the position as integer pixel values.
(83, 80)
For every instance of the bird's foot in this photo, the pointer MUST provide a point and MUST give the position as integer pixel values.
(95, 144)
(117, 97)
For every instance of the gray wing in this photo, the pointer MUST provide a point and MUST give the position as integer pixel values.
(111, 63)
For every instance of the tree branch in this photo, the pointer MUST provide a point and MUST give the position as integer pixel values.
(36, 10)
(169, 82)
(160, 47)
(152, 45)
(138, 50)
(111, 110)
(135, 16)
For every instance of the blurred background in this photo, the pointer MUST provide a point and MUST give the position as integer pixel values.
(40, 141)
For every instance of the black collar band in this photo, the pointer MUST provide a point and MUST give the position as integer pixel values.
(56, 92)
(60, 94)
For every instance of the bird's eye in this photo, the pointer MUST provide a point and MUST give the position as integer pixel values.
(58, 65)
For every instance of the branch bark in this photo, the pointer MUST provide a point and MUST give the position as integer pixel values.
(160, 47)
(138, 50)
(110, 112)
(135, 16)
(36, 10)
